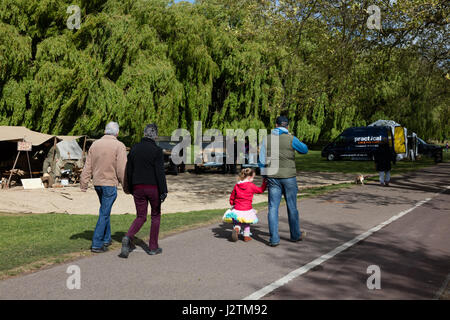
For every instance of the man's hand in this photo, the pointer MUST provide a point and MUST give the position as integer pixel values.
(163, 197)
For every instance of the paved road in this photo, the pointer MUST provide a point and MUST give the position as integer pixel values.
(413, 253)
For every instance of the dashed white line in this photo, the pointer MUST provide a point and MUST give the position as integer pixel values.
(441, 290)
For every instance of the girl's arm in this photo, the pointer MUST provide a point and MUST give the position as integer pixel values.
(233, 196)
(261, 189)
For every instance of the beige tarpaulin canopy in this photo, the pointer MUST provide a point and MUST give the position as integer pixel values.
(69, 138)
(15, 133)
(12, 133)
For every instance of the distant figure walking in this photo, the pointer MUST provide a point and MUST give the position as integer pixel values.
(242, 214)
(446, 147)
(105, 163)
(146, 180)
(383, 158)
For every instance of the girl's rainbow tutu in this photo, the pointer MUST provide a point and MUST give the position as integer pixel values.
(234, 216)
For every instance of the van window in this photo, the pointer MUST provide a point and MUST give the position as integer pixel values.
(340, 140)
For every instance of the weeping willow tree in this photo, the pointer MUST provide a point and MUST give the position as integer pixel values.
(227, 63)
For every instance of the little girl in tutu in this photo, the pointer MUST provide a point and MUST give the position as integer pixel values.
(242, 213)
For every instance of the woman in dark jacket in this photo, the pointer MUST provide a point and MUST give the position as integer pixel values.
(383, 158)
(146, 180)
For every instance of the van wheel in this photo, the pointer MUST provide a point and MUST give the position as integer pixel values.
(331, 157)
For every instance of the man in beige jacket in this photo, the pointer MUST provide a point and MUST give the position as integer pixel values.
(105, 163)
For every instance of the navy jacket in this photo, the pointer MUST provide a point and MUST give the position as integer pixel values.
(146, 166)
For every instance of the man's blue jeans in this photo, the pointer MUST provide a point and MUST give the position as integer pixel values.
(287, 187)
(102, 233)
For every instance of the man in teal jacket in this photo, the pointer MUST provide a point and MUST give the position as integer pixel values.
(282, 181)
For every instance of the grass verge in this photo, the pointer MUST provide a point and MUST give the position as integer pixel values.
(33, 242)
(313, 162)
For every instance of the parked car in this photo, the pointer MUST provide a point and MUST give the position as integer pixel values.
(430, 150)
(215, 156)
(357, 143)
(167, 145)
(210, 158)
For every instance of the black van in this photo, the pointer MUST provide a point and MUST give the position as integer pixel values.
(358, 143)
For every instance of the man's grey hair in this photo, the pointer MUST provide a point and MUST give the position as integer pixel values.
(112, 128)
(151, 131)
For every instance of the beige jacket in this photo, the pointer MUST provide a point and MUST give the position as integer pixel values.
(105, 163)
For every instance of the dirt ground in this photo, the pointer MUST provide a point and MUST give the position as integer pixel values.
(187, 192)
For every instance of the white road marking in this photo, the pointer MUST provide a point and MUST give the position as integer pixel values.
(441, 290)
(302, 270)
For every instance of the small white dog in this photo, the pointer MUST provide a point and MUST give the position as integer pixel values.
(359, 179)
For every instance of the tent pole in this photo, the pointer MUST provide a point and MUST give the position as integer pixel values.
(29, 165)
(84, 147)
(14, 166)
(54, 150)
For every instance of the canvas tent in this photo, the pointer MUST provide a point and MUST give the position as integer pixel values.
(69, 150)
(69, 138)
(41, 144)
(13, 134)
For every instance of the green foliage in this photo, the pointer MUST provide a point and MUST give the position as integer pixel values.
(15, 53)
(227, 63)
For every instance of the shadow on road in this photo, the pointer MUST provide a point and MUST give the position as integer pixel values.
(412, 263)
(117, 237)
(224, 230)
(407, 268)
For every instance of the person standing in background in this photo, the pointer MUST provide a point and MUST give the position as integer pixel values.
(383, 158)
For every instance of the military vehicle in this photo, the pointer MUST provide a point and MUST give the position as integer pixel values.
(167, 145)
(63, 164)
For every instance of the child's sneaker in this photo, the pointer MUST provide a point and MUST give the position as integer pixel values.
(235, 234)
(247, 239)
